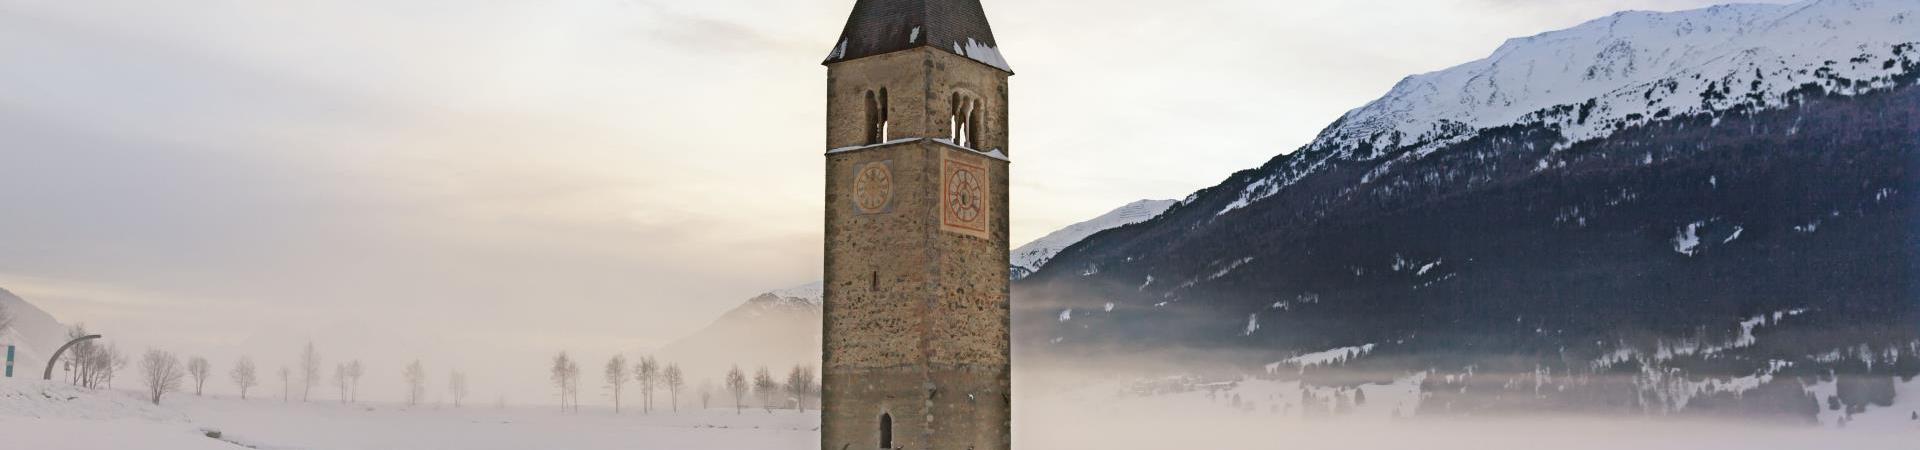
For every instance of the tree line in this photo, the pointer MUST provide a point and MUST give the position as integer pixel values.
(94, 365)
(652, 377)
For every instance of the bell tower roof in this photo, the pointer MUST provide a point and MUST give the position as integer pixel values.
(885, 26)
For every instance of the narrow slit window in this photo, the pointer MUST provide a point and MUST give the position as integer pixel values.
(886, 123)
(886, 431)
(873, 118)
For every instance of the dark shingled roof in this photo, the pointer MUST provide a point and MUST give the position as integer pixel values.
(886, 26)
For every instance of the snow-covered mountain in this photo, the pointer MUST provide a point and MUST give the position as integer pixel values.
(1706, 211)
(1635, 64)
(1626, 70)
(1029, 258)
(776, 329)
(34, 333)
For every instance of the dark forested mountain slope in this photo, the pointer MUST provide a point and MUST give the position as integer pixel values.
(1764, 232)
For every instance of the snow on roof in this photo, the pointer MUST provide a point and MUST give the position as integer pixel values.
(884, 26)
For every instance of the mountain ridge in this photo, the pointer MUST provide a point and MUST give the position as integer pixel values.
(1610, 82)
(1759, 244)
(1030, 257)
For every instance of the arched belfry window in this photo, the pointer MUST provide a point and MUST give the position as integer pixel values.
(877, 126)
(963, 125)
(886, 431)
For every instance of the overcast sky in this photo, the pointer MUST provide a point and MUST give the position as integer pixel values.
(482, 183)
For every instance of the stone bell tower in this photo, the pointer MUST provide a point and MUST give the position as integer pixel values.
(917, 343)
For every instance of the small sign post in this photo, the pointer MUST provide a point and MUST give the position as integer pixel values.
(9, 361)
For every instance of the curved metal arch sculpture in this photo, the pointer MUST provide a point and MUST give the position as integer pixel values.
(63, 349)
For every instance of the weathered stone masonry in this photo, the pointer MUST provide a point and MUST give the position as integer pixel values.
(916, 303)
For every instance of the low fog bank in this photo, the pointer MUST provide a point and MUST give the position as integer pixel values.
(1057, 424)
(1144, 403)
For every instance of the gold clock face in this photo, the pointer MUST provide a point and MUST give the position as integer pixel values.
(963, 197)
(873, 188)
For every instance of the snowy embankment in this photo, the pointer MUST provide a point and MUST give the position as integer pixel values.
(41, 415)
(50, 415)
(29, 399)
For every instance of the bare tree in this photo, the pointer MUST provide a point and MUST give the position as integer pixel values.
(354, 371)
(566, 376)
(243, 376)
(286, 384)
(616, 375)
(162, 372)
(706, 395)
(115, 361)
(764, 385)
(737, 385)
(573, 384)
(675, 381)
(80, 358)
(800, 386)
(340, 381)
(648, 373)
(457, 386)
(416, 383)
(309, 370)
(199, 368)
(92, 366)
(102, 363)
(558, 374)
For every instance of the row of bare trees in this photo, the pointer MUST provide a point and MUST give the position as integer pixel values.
(802, 384)
(94, 366)
(346, 376)
(651, 376)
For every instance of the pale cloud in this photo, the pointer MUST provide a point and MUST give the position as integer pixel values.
(472, 182)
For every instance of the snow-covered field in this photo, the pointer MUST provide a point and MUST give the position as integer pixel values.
(52, 416)
(1101, 416)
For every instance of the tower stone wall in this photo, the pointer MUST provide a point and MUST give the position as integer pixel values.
(917, 314)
